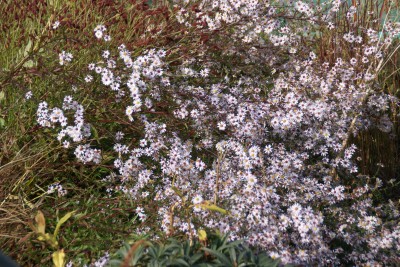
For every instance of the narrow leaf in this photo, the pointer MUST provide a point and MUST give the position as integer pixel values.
(221, 257)
(176, 190)
(177, 262)
(27, 48)
(206, 205)
(61, 222)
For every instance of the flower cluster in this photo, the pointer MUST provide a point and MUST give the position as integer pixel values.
(100, 31)
(77, 132)
(65, 58)
(270, 144)
(57, 187)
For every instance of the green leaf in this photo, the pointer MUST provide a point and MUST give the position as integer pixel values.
(179, 193)
(62, 221)
(267, 261)
(96, 134)
(206, 205)
(178, 262)
(27, 48)
(138, 255)
(2, 122)
(221, 257)
(226, 245)
(232, 254)
(29, 63)
(195, 258)
(114, 262)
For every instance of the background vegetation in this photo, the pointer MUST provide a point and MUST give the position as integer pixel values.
(31, 159)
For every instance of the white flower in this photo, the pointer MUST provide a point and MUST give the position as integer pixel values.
(204, 73)
(88, 78)
(253, 152)
(197, 199)
(98, 34)
(119, 136)
(65, 57)
(200, 165)
(66, 144)
(100, 27)
(251, 179)
(129, 111)
(274, 255)
(141, 214)
(56, 24)
(221, 125)
(295, 209)
(28, 95)
(268, 149)
(106, 54)
(143, 142)
(107, 38)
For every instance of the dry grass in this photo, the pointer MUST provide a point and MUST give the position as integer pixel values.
(31, 160)
(376, 147)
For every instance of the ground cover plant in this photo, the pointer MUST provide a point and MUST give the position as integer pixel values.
(275, 122)
(219, 252)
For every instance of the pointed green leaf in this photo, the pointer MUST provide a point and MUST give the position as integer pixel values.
(96, 134)
(176, 190)
(177, 262)
(195, 258)
(221, 257)
(232, 254)
(27, 48)
(206, 205)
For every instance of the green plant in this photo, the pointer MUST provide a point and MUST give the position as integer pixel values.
(217, 251)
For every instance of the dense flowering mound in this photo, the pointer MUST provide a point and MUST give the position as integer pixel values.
(250, 133)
